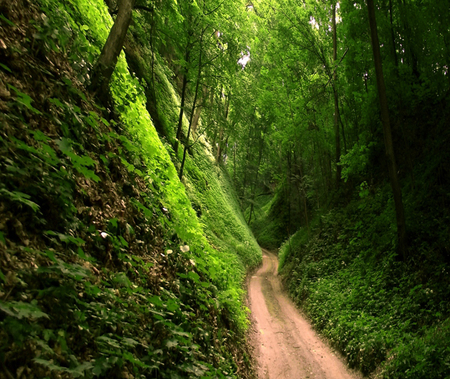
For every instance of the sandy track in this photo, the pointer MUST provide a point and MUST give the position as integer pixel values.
(285, 344)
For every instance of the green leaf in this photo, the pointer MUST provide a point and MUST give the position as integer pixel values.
(51, 255)
(194, 276)
(20, 197)
(72, 270)
(5, 67)
(49, 364)
(121, 279)
(39, 136)
(79, 371)
(66, 238)
(78, 162)
(24, 99)
(44, 346)
(155, 300)
(113, 222)
(57, 102)
(21, 310)
(3, 18)
(104, 340)
(130, 342)
(123, 241)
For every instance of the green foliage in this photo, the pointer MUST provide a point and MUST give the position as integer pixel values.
(109, 271)
(24, 100)
(426, 356)
(217, 207)
(269, 229)
(20, 197)
(354, 163)
(369, 304)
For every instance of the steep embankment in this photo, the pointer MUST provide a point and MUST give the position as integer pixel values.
(106, 269)
(385, 315)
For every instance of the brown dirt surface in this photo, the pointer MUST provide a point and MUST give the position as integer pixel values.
(286, 346)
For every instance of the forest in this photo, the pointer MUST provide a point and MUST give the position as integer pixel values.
(150, 148)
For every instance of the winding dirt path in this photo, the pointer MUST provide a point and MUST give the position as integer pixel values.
(285, 344)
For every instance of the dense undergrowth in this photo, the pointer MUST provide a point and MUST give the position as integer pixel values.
(105, 267)
(387, 316)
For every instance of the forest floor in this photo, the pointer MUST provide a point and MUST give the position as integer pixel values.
(285, 344)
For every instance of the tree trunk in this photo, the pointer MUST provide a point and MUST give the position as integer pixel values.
(336, 103)
(255, 182)
(305, 204)
(394, 50)
(193, 107)
(395, 184)
(134, 63)
(183, 100)
(219, 145)
(103, 69)
(198, 112)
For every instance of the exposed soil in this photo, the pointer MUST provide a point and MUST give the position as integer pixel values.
(285, 344)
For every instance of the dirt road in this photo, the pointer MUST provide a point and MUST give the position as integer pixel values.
(286, 346)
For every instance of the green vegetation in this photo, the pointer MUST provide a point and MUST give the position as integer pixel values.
(268, 227)
(139, 138)
(106, 269)
(372, 306)
(313, 164)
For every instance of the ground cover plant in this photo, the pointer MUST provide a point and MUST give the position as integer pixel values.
(105, 269)
(388, 318)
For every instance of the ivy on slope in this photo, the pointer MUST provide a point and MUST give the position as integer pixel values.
(90, 283)
(215, 201)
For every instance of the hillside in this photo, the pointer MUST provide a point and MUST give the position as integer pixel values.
(106, 268)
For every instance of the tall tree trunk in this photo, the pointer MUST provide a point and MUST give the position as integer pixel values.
(198, 112)
(247, 160)
(183, 100)
(305, 204)
(336, 103)
(134, 63)
(193, 107)
(395, 184)
(106, 63)
(196, 119)
(219, 145)
(261, 147)
(221, 133)
(344, 138)
(234, 164)
(408, 43)
(394, 50)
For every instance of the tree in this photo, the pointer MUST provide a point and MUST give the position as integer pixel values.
(390, 155)
(106, 63)
(194, 103)
(336, 100)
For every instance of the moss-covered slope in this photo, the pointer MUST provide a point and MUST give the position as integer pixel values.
(106, 269)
